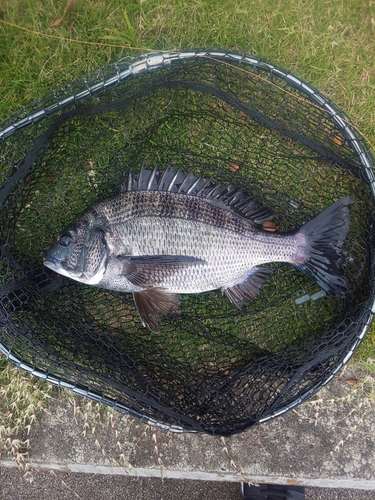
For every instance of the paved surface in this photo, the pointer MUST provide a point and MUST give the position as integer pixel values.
(45, 485)
(327, 442)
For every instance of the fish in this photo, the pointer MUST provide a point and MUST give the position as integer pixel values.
(167, 233)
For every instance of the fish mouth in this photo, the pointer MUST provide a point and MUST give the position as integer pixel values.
(77, 274)
(49, 261)
(55, 265)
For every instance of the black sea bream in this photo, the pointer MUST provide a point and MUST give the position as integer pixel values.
(167, 233)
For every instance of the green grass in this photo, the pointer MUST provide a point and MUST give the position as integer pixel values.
(22, 398)
(329, 43)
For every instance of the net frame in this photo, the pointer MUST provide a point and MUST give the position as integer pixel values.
(132, 68)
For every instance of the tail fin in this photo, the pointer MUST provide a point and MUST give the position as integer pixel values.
(325, 235)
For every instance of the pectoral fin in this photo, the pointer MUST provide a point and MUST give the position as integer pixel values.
(152, 302)
(152, 270)
(249, 288)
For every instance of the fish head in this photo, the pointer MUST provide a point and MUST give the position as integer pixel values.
(80, 252)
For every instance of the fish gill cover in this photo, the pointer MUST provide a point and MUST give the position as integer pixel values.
(222, 116)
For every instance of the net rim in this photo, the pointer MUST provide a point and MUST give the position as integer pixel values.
(130, 67)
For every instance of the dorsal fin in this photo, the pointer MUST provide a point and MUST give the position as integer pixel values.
(229, 197)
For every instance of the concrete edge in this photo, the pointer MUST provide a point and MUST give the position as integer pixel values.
(197, 475)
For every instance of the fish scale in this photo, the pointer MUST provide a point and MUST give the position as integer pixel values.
(129, 205)
(226, 253)
(167, 233)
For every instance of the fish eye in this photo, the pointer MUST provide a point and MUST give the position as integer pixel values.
(66, 239)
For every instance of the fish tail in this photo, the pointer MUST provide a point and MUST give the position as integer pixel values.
(324, 237)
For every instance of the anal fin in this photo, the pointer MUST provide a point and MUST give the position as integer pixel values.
(154, 301)
(249, 288)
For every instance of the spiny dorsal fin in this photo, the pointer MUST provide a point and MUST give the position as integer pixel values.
(228, 197)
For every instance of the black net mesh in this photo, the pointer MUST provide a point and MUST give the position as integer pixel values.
(230, 118)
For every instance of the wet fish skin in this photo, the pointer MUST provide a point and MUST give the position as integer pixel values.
(161, 238)
(214, 242)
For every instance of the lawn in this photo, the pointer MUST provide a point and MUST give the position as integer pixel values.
(328, 43)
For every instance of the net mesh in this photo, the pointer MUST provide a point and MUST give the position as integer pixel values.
(223, 116)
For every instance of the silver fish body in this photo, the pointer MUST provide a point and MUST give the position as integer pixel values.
(167, 234)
